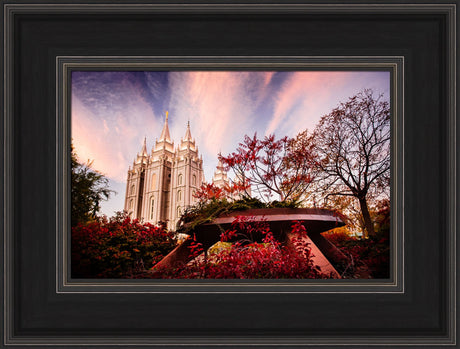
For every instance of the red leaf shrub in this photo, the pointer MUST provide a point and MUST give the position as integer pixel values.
(117, 247)
(246, 259)
(373, 253)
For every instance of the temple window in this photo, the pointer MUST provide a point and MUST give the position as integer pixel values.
(152, 208)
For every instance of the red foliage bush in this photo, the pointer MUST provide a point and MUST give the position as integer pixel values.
(117, 247)
(246, 259)
(123, 248)
(371, 253)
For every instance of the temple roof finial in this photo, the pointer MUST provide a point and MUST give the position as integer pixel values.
(188, 134)
(144, 148)
(165, 132)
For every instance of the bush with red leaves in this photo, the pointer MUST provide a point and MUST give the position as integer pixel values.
(373, 253)
(246, 259)
(117, 247)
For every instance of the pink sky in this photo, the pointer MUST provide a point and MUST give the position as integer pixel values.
(112, 112)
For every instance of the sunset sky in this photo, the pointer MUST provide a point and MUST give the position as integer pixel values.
(112, 112)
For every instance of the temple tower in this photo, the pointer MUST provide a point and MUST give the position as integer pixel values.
(135, 184)
(164, 181)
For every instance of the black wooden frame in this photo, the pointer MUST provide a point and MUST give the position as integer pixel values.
(38, 311)
(64, 67)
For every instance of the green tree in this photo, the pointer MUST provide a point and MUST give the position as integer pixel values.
(88, 189)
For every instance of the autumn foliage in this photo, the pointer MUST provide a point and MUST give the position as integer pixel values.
(271, 167)
(352, 146)
(123, 248)
(247, 259)
(209, 191)
(371, 254)
(117, 247)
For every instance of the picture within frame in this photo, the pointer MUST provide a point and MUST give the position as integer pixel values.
(230, 174)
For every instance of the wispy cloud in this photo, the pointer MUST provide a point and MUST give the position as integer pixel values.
(112, 112)
(306, 96)
(299, 97)
(106, 124)
(219, 105)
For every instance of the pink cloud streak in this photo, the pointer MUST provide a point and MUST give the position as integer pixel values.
(217, 104)
(110, 141)
(301, 91)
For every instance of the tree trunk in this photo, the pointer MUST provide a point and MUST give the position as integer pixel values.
(368, 224)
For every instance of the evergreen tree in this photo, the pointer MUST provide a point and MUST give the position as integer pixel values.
(88, 189)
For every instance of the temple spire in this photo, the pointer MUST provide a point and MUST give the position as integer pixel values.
(188, 134)
(165, 132)
(220, 166)
(220, 175)
(144, 148)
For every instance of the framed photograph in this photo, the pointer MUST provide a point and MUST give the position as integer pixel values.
(203, 219)
(210, 174)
